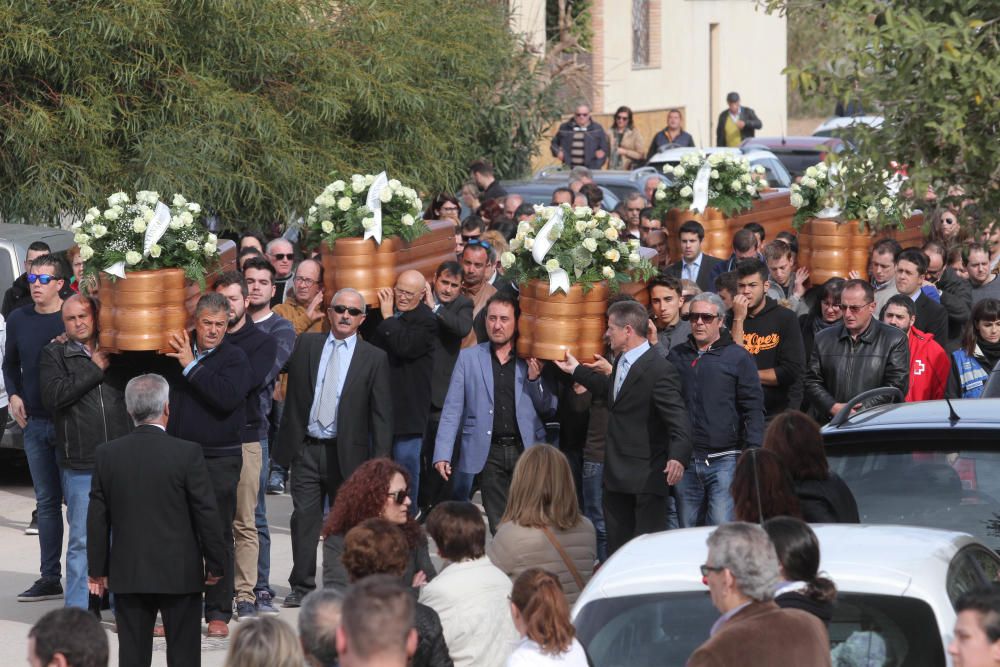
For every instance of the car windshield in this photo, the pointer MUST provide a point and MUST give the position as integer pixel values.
(935, 488)
(662, 630)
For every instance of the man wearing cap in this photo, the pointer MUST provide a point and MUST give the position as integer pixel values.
(736, 123)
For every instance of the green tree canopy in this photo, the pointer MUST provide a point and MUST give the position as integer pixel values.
(249, 105)
(931, 68)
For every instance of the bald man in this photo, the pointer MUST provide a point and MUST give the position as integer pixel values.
(407, 334)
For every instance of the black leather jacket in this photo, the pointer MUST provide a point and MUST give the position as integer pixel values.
(840, 367)
(87, 404)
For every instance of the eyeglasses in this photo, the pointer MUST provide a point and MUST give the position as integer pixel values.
(621, 117)
(399, 497)
(474, 241)
(701, 317)
(448, 209)
(705, 569)
(42, 278)
(405, 293)
(855, 309)
(304, 281)
(581, 115)
(281, 255)
(831, 306)
(340, 310)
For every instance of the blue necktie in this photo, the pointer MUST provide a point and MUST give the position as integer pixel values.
(620, 377)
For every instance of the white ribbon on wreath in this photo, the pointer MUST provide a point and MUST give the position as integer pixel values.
(558, 278)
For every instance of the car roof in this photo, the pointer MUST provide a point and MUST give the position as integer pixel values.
(635, 177)
(675, 154)
(884, 559)
(903, 420)
(808, 142)
(838, 122)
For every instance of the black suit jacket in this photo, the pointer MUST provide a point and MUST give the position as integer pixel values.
(364, 416)
(409, 342)
(647, 425)
(152, 492)
(704, 280)
(454, 324)
(932, 318)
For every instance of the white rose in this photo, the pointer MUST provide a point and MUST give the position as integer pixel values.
(735, 185)
(590, 245)
(194, 208)
(611, 234)
(176, 222)
(552, 264)
(507, 260)
(86, 252)
(326, 226)
(812, 172)
(191, 245)
(715, 173)
(608, 272)
(516, 242)
(686, 191)
(633, 243)
(752, 190)
(369, 179)
(111, 214)
(132, 258)
(117, 199)
(600, 215)
(660, 195)
(612, 255)
(338, 186)
(99, 231)
(179, 200)
(809, 182)
(581, 226)
(186, 219)
(886, 202)
(139, 226)
(417, 204)
(408, 220)
(80, 238)
(581, 211)
(714, 159)
(358, 186)
(212, 238)
(368, 223)
(147, 196)
(210, 248)
(678, 171)
(155, 250)
(147, 215)
(344, 203)
(94, 212)
(529, 243)
(872, 212)
(746, 178)
(796, 200)
(633, 258)
(394, 184)
(385, 196)
(87, 218)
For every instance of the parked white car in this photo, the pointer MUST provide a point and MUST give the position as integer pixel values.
(833, 127)
(777, 175)
(896, 586)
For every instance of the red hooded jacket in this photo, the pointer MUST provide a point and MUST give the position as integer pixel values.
(929, 367)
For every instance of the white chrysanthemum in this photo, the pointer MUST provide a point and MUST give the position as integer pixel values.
(86, 252)
(507, 260)
(132, 258)
(155, 250)
(608, 272)
(612, 255)
(590, 245)
(746, 178)
(326, 226)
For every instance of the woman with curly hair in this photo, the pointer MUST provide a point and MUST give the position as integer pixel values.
(378, 546)
(379, 488)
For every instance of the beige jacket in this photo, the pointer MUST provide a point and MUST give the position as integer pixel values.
(516, 548)
(634, 149)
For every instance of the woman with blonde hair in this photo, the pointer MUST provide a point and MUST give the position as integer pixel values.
(264, 642)
(542, 526)
(541, 615)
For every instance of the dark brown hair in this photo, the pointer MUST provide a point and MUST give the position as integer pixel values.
(761, 488)
(795, 437)
(542, 604)
(987, 310)
(375, 546)
(458, 530)
(798, 552)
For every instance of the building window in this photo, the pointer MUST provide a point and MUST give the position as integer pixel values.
(640, 33)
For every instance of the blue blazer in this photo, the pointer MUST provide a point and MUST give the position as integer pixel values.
(469, 406)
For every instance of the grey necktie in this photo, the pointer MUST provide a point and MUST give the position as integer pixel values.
(327, 413)
(620, 376)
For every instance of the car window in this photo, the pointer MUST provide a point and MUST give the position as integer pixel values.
(663, 630)
(6, 271)
(777, 175)
(971, 568)
(952, 490)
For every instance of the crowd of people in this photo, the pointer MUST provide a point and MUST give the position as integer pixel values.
(382, 420)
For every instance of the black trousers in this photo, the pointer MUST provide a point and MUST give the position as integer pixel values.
(224, 472)
(494, 480)
(135, 615)
(315, 476)
(628, 515)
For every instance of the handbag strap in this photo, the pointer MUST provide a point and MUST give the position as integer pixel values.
(565, 557)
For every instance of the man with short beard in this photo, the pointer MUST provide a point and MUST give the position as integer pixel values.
(260, 350)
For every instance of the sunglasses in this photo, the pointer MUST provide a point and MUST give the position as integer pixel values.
(621, 117)
(42, 278)
(855, 309)
(474, 241)
(399, 497)
(705, 569)
(280, 256)
(581, 115)
(340, 310)
(701, 317)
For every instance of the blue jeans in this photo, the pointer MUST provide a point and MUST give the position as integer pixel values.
(76, 488)
(263, 532)
(593, 494)
(461, 485)
(39, 447)
(703, 496)
(406, 452)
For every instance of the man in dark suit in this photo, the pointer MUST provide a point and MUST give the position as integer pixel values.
(338, 414)
(454, 314)
(407, 333)
(152, 492)
(736, 123)
(649, 438)
(932, 317)
(694, 265)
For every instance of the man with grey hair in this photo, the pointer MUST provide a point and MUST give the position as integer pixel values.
(648, 442)
(377, 625)
(725, 403)
(319, 619)
(152, 491)
(634, 204)
(742, 571)
(209, 387)
(281, 254)
(338, 414)
(581, 141)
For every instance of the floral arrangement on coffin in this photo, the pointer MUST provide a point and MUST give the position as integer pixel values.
(732, 184)
(566, 245)
(365, 205)
(143, 233)
(849, 190)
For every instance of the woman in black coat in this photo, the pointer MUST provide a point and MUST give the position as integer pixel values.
(798, 553)
(823, 496)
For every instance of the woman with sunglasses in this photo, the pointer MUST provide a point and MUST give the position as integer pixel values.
(379, 488)
(626, 142)
(972, 363)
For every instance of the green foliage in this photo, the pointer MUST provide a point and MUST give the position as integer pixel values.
(249, 105)
(341, 211)
(928, 66)
(851, 189)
